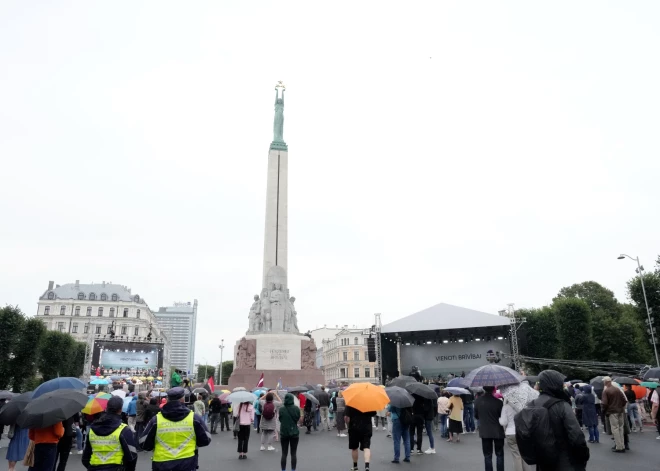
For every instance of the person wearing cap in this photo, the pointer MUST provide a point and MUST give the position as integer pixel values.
(174, 435)
(110, 444)
(614, 403)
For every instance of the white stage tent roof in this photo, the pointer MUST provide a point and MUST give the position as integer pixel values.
(443, 317)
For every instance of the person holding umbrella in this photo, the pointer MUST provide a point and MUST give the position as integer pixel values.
(110, 444)
(170, 435)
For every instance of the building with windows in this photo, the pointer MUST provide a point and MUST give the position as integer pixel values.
(98, 309)
(180, 320)
(346, 358)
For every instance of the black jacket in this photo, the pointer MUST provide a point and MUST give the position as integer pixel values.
(572, 449)
(104, 426)
(324, 398)
(488, 409)
(175, 411)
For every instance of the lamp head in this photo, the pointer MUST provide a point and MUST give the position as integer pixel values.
(621, 257)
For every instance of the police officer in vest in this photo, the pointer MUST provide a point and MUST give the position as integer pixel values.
(174, 435)
(110, 443)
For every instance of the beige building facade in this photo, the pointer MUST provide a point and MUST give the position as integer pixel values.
(346, 358)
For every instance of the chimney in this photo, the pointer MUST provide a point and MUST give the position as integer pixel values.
(77, 283)
(50, 285)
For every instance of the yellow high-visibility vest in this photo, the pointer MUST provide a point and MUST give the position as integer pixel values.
(174, 440)
(106, 450)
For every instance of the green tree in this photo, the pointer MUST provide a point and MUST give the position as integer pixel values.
(574, 328)
(539, 332)
(227, 370)
(11, 324)
(597, 297)
(24, 363)
(57, 350)
(652, 285)
(205, 372)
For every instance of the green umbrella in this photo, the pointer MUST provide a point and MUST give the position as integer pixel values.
(650, 384)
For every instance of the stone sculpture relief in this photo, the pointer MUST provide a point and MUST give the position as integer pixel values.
(246, 357)
(273, 311)
(308, 355)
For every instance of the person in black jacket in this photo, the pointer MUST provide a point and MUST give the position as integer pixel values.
(487, 409)
(215, 407)
(418, 423)
(572, 449)
(65, 443)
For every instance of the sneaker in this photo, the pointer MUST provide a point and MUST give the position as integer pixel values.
(658, 437)
(343, 435)
(262, 448)
(395, 461)
(420, 452)
(406, 460)
(389, 435)
(384, 429)
(430, 451)
(375, 426)
(79, 452)
(271, 448)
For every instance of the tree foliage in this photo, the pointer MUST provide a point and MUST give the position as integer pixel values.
(11, 325)
(57, 350)
(205, 372)
(574, 328)
(227, 370)
(26, 354)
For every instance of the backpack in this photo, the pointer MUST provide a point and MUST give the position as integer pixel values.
(534, 435)
(406, 416)
(269, 411)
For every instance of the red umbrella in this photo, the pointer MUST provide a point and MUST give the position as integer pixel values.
(223, 398)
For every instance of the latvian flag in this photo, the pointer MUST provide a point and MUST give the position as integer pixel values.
(260, 384)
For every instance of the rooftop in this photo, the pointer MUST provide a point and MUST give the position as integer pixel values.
(91, 291)
(442, 317)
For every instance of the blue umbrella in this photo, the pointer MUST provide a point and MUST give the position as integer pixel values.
(115, 378)
(456, 391)
(58, 383)
(127, 401)
(492, 375)
(99, 381)
(457, 383)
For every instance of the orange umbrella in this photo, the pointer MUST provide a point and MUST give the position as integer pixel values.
(366, 397)
(640, 391)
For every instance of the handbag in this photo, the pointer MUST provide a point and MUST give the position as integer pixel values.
(237, 424)
(28, 460)
(10, 434)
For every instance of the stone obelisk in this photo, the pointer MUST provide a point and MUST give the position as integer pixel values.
(273, 344)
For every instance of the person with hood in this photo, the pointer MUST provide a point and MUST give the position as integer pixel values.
(589, 413)
(516, 397)
(110, 444)
(572, 449)
(170, 435)
(140, 417)
(289, 415)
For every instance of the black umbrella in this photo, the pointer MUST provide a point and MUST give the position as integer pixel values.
(653, 374)
(598, 385)
(402, 381)
(399, 397)
(422, 390)
(52, 407)
(10, 411)
(575, 381)
(310, 387)
(298, 389)
(6, 394)
(310, 397)
(624, 380)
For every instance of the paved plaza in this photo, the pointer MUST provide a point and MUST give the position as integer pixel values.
(324, 451)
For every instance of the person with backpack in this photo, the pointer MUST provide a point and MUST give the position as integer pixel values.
(488, 409)
(547, 431)
(400, 420)
(289, 415)
(268, 419)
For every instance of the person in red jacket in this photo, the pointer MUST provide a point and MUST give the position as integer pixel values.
(45, 446)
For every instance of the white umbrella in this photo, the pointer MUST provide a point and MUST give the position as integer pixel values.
(119, 392)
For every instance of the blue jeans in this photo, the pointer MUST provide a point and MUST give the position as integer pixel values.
(429, 432)
(257, 419)
(400, 431)
(633, 415)
(594, 436)
(79, 439)
(443, 425)
(468, 417)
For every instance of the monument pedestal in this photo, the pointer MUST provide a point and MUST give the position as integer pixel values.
(290, 358)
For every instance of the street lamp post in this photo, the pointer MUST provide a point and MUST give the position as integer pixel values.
(640, 270)
(222, 347)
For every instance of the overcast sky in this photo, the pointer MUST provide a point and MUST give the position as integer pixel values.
(473, 153)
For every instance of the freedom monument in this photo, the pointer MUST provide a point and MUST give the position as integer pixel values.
(273, 344)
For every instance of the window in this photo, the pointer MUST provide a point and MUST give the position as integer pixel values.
(367, 372)
(366, 355)
(112, 312)
(356, 355)
(345, 356)
(123, 330)
(98, 329)
(89, 311)
(62, 310)
(138, 313)
(74, 328)
(77, 310)
(109, 329)
(47, 311)
(115, 297)
(365, 340)
(100, 312)
(87, 328)
(356, 372)
(51, 295)
(104, 297)
(137, 298)
(92, 296)
(342, 373)
(125, 312)
(137, 331)
(60, 326)
(355, 341)
(81, 295)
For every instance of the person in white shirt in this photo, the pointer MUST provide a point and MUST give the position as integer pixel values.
(506, 421)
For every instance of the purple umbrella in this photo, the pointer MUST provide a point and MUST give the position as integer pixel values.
(492, 375)
(457, 383)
